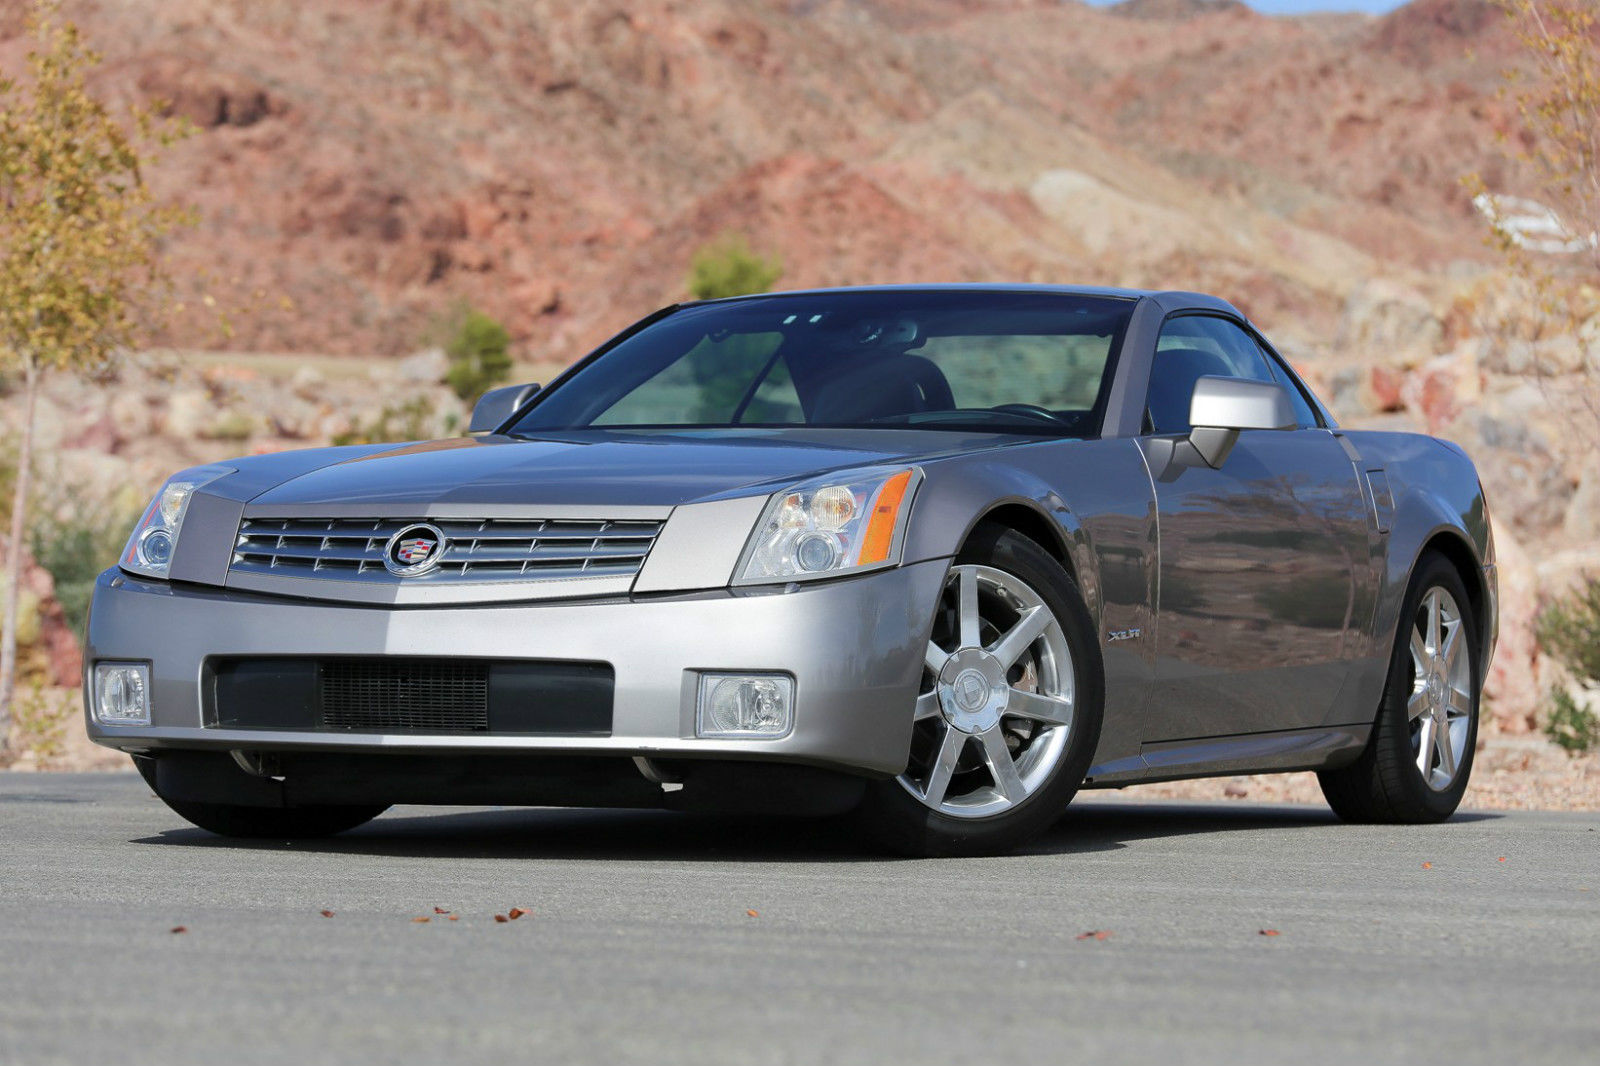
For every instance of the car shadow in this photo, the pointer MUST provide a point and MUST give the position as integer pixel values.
(656, 836)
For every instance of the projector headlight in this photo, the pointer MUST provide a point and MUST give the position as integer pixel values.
(836, 525)
(155, 538)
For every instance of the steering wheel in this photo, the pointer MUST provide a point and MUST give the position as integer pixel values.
(1027, 410)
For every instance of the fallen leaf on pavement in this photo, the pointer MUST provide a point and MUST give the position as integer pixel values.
(1268, 932)
(180, 929)
(501, 918)
(327, 914)
(1427, 866)
(420, 920)
(440, 910)
(1096, 934)
(753, 914)
(515, 912)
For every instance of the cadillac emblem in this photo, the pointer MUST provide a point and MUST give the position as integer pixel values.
(414, 550)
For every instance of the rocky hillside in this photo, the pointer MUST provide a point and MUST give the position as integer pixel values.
(358, 164)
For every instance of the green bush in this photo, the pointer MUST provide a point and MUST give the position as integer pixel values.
(77, 539)
(412, 420)
(479, 352)
(1569, 631)
(727, 267)
(1570, 724)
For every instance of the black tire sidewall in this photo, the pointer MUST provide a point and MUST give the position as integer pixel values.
(237, 820)
(1394, 727)
(904, 824)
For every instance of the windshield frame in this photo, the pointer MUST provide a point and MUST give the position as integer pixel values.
(1091, 428)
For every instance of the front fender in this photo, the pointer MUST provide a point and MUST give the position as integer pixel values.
(1438, 504)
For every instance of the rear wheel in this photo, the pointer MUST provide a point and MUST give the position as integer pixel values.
(281, 823)
(1416, 765)
(1009, 713)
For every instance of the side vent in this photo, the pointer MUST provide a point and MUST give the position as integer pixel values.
(1382, 499)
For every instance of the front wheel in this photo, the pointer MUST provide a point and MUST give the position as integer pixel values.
(278, 823)
(1416, 765)
(1009, 714)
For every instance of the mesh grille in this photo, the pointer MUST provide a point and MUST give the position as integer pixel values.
(474, 550)
(384, 697)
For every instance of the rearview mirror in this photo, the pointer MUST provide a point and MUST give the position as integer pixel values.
(497, 405)
(1221, 407)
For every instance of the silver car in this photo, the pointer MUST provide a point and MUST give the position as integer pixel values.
(938, 556)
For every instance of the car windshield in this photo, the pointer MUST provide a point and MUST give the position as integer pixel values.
(996, 361)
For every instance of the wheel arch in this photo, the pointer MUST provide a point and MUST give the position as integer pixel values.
(1027, 518)
(1453, 546)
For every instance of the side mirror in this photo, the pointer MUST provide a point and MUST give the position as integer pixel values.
(1221, 407)
(497, 405)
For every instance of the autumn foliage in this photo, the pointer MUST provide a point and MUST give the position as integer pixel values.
(80, 241)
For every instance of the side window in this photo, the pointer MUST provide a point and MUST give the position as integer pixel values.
(1305, 417)
(1192, 347)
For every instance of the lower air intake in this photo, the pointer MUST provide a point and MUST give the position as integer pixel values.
(365, 696)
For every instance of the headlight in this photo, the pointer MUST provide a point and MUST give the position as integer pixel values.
(155, 538)
(835, 525)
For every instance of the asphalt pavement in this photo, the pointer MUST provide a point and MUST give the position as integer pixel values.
(1133, 932)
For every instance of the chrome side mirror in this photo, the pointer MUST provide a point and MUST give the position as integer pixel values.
(497, 405)
(1221, 407)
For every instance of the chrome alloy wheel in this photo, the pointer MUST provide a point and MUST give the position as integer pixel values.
(996, 710)
(1440, 706)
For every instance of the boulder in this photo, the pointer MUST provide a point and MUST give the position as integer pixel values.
(426, 367)
(1436, 392)
(1380, 392)
(1391, 322)
(131, 414)
(1513, 691)
(1581, 523)
(43, 636)
(188, 412)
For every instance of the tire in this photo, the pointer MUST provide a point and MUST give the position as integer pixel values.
(1016, 689)
(1392, 781)
(280, 823)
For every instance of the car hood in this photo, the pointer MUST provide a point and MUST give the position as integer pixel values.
(657, 469)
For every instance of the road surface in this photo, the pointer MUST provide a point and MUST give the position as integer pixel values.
(1475, 941)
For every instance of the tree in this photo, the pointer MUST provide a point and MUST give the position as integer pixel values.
(1551, 242)
(479, 351)
(1551, 237)
(727, 267)
(79, 247)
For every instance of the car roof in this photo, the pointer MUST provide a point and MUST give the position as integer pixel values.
(1169, 299)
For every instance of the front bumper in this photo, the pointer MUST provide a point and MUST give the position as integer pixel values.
(854, 647)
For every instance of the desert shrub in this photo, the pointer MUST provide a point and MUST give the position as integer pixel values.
(75, 540)
(414, 419)
(234, 426)
(479, 351)
(1569, 631)
(727, 267)
(1570, 724)
(41, 718)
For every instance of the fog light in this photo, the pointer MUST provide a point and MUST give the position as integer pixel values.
(122, 693)
(745, 705)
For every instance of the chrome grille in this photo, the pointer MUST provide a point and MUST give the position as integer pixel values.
(489, 549)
